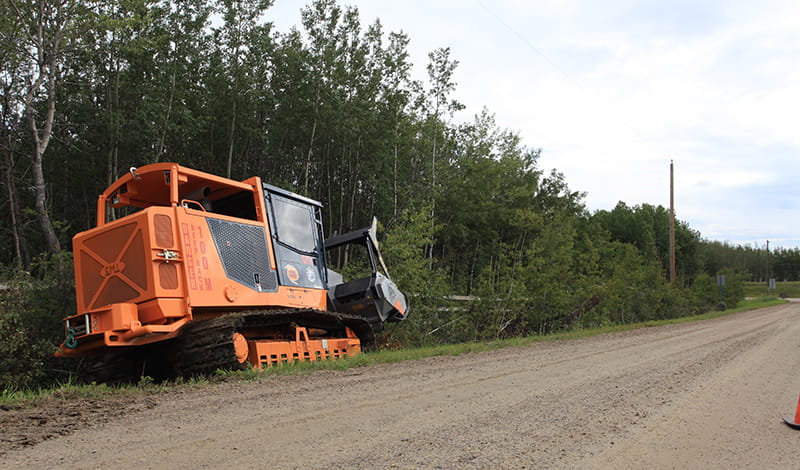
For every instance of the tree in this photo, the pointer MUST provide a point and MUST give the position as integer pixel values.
(236, 38)
(53, 27)
(438, 103)
(11, 89)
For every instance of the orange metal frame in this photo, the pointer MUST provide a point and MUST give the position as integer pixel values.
(262, 353)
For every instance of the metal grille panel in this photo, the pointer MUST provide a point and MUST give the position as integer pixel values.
(90, 275)
(135, 262)
(107, 243)
(108, 274)
(115, 291)
(243, 251)
(168, 276)
(163, 228)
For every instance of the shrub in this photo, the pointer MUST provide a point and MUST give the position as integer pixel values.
(32, 305)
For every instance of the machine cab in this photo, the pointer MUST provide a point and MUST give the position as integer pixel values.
(296, 230)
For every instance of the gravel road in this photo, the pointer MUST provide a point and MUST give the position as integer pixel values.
(708, 395)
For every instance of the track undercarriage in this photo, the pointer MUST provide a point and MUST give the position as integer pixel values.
(237, 341)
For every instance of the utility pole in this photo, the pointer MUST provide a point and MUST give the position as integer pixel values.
(672, 271)
(768, 283)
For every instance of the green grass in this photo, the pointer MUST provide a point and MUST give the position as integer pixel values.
(783, 289)
(71, 390)
(67, 391)
(410, 354)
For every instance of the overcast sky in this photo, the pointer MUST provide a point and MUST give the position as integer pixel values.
(612, 90)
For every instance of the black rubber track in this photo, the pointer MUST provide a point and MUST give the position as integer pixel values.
(205, 346)
(126, 365)
(116, 367)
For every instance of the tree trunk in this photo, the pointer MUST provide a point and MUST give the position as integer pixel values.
(394, 182)
(433, 190)
(309, 155)
(40, 200)
(311, 141)
(161, 141)
(46, 71)
(20, 250)
(230, 140)
(113, 141)
(51, 23)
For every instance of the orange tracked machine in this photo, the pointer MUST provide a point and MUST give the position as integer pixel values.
(187, 272)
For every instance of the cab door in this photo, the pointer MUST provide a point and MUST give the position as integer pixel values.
(296, 230)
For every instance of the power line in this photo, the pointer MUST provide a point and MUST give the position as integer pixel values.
(564, 75)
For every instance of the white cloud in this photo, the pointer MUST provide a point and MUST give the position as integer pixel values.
(614, 90)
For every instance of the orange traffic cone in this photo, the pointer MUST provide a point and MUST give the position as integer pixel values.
(796, 423)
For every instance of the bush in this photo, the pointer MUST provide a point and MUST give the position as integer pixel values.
(418, 278)
(32, 305)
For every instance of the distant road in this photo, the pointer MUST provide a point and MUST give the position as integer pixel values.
(705, 395)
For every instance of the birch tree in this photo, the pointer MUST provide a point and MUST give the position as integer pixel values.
(241, 25)
(51, 27)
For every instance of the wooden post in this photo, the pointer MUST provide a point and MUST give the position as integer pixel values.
(672, 271)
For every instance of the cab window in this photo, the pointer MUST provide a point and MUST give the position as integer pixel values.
(295, 224)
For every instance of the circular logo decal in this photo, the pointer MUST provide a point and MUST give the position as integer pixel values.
(292, 274)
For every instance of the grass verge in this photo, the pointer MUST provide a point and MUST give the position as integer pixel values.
(410, 354)
(782, 289)
(71, 390)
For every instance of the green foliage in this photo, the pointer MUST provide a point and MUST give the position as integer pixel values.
(708, 294)
(416, 275)
(31, 308)
(785, 264)
(647, 228)
(21, 355)
(756, 263)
